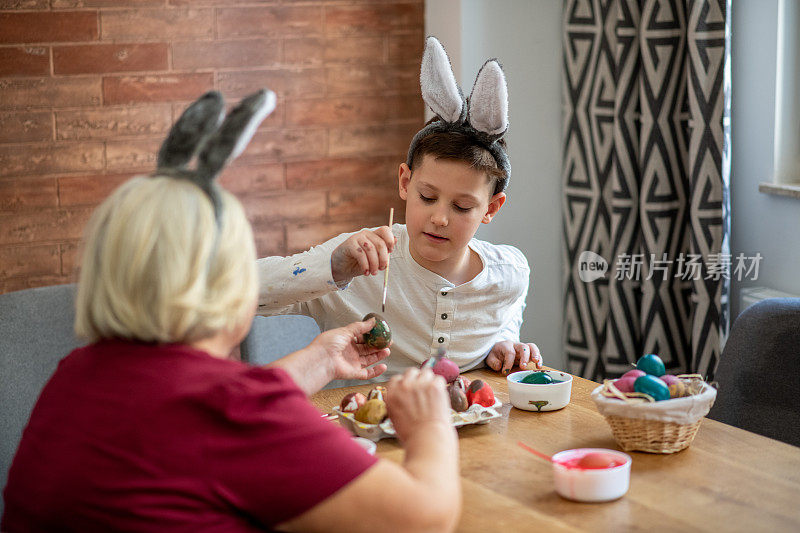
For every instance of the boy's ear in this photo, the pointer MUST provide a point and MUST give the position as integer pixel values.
(404, 178)
(495, 203)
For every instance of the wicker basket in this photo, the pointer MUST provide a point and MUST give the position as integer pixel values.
(656, 427)
(654, 436)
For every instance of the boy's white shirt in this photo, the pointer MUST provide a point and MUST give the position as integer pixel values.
(479, 313)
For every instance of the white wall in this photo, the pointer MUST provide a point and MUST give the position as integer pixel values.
(525, 35)
(760, 222)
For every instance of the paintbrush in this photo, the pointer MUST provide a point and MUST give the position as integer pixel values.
(431, 362)
(386, 272)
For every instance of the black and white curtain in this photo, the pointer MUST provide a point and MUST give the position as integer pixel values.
(646, 160)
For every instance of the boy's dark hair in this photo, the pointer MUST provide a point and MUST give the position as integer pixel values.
(458, 146)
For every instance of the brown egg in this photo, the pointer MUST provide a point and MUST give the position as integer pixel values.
(458, 398)
(372, 412)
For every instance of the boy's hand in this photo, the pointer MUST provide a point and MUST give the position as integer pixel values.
(505, 354)
(363, 253)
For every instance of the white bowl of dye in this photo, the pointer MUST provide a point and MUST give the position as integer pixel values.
(591, 484)
(536, 397)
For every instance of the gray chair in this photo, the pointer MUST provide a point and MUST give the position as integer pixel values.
(35, 334)
(759, 371)
(272, 337)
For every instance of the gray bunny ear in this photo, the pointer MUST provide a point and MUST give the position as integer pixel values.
(199, 121)
(439, 88)
(488, 103)
(232, 137)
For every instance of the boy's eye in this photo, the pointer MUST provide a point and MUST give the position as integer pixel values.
(426, 199)
(461, 209)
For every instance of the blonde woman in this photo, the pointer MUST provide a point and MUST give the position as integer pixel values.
(152, 427)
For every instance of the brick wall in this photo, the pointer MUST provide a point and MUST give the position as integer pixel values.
(89, 88)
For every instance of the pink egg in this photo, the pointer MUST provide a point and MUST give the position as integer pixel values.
(635, 373)
(625, 384)
(669, 379)
(597, 460)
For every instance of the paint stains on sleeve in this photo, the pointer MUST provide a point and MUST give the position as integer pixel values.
(298, 270)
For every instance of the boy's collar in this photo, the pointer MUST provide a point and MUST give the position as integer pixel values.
(431, 278)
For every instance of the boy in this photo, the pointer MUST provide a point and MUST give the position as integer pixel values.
(446, 290)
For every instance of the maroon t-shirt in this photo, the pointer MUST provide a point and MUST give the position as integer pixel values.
(130, 436)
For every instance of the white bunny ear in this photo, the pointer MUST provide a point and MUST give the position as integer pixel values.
(439, 88)
(488, 103)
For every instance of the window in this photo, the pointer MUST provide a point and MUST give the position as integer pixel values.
(786, 179)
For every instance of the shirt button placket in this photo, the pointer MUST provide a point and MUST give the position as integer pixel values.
(443, 319)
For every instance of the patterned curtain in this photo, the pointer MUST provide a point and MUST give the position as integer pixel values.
(646, 165)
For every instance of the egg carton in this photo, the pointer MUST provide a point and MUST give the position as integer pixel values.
(475, 414)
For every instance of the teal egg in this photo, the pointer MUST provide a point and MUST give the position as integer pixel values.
(537, 378)
(380, 336)
(653, 386)
(651, 364)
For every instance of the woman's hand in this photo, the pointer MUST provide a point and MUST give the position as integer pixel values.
(344, 352)
(415, 400)
(363, 253)
(335, 354)
(505, 354)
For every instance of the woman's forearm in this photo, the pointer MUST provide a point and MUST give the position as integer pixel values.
(308, 370)
(432, 459)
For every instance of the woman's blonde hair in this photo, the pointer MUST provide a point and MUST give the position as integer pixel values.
(157, 268)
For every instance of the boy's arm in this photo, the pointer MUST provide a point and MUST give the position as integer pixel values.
(510, 330)
(285, 281)
(507, 349)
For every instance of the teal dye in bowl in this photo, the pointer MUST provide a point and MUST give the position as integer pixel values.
(539, 378)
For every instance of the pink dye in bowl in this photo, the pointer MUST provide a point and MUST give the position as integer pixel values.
(591, 474)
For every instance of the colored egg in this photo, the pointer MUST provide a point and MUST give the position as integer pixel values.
(380, 336)
(669, 379)
(537, 378)
(377, 392)
(372, 412)
(635, 373)
(597, 460)
(442, 366)
(651, 364)
(481, 393)
(625, 384)
(653, 386)
(678, 390)
(352, 402)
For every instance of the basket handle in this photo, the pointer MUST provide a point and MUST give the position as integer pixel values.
(610, 390)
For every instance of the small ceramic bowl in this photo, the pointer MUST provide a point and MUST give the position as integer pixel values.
(532, 397)
(367, 444)
(591, 484)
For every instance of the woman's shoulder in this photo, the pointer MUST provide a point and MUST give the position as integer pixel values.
(177, 369)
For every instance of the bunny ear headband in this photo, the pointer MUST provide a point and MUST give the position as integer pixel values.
(483, 116)
(201, 130)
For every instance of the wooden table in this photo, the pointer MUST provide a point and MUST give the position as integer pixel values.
(727, 480)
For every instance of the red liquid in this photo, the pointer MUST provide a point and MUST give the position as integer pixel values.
(592, 461)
